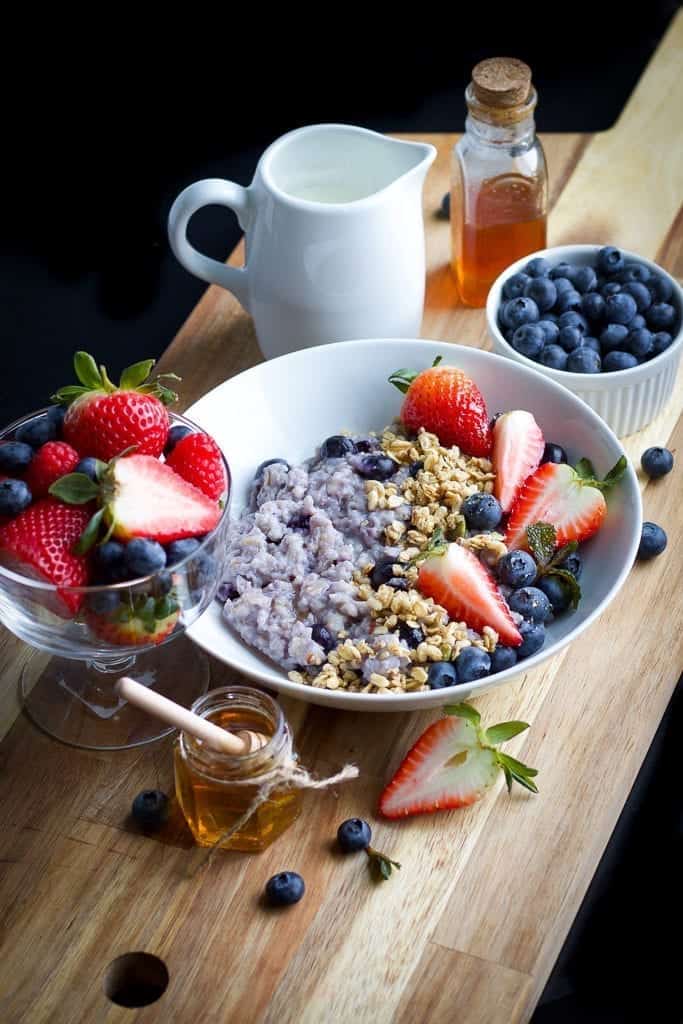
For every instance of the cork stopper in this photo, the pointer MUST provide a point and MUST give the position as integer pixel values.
(501, 82)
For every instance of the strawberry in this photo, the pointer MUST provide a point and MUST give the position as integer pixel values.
(452, 765)
(139, 620)
(102, 420)
(197, 459)
(52, 460)
(517, 450)
(569, 499)
(444, 401)
(455, 578)
(39, 543)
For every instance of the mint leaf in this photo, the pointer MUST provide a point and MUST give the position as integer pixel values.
(585, 469)
(87, 371)
(136, 374)
(541, 538)
(505, 731)
(89, 535)
(569, 582)
(465, 711)
(75, 489)
(562, 553)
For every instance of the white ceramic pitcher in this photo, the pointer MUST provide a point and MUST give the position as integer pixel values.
(334, 237)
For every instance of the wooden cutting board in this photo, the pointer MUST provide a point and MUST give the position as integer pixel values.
(470, 928)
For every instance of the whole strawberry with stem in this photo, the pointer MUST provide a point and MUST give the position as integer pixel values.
(446, 402)
(102, 420)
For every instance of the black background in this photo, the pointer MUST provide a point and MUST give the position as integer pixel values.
(108, 114)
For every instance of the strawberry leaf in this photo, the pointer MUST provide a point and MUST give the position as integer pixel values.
(380, 865)
(505, 731)
(465, 711)
(87, 371)
(541, 538)
(569, 582)
(136, 374)
(89, 535)
(402, 379)
(459, 530)
(515, 771)
(75, 489)
(584, 468)
(616, 472)
(65, 396)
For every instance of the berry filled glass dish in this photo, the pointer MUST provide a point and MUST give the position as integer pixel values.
(113, 516)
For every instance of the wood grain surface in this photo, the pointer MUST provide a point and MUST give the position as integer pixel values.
(470, 928)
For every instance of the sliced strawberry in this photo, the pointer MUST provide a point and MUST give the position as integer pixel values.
(52, 460)
(461, 584)
(517, 450)
(556, 494)
(197, 459)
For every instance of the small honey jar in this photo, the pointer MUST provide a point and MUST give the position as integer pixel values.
(215, 789)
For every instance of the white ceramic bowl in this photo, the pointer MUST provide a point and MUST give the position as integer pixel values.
(627, 400)
(288, 406)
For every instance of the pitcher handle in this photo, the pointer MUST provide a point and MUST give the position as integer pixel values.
(216, 192)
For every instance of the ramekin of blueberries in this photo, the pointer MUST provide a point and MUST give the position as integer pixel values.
(602, 321)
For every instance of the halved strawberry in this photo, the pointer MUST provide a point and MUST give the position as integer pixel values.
(570, 501)
(452, 765)
(455, 578)
(517, 450)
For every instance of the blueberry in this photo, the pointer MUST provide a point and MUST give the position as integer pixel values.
(481, 511)
(570, 338)
(593, 307)
(109, 563)
(634, 272)
(660, 341)
(661, 288)
(411, 635)
(37, 431)
(557, 592)
(521, 311)
(299, 522)
(611, 288)
(584, 279)
(441, 674)
(553, 453)
(568, 300)
(163, 583)
(573, 564)
(321, 635)
(366, 444)
(258, 475)
(533, 638)
(542, 291)
(415, 467)
(660, 316)
(640, 293)
(639, 343)
(284, 889)
(538, 267)
(150, 809)
(226, 592)
(550, 330)
(528, 340)
(550, 317)
(88, 466)
(202, 570)
(178, 550)
(382, 572)
(613, 336)
(14, 456)
(515, 285)
(353, 835)
(554, 357)
(620, 308)
(618, 360)
(583, 360)
(472, 663)
(637, 322)
(560, 270)
(531, 603)
(502, 657)
(562, 285)
(336, 447)
(105, 602)
(610, 260)
(376, 467)
(657, 462)
(144, 557)
(592, 343)
(653, 540)
(516, 569)
(15, 496)
(56, 414)
(445, 207)
(573, 319)
(398, 583)
(175, 434)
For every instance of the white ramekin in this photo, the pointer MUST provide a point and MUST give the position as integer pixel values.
(627, 400)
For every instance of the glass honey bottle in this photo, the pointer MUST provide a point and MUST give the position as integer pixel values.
(215, 790)
(499, 181)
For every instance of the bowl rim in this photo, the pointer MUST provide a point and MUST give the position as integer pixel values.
(494, 301)
(269, 673)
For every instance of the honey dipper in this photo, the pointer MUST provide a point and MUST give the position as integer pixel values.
(236, 743)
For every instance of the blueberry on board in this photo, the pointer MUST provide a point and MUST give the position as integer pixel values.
(150, 809)
(376, 467)
(562, 285)
(553, 453)
(618, 360)
(584, 279)
(37, 431)
(554, 357)
(572, 318)
(637, 322)
(521, 311)
(660, 316)
(109, 563)
(653, 540)
(175, 434)
(445, 207)
(542, 291)
(613, 336)
(538, 267)
(472, 663)
(557, 592)
(515, 285)
(610, 260)
(593, 307)
(583, 360)
(568, 300)
(573, 564)
(411, 635)
(382, 572)
(611, 288)
(620, 308)
(640, 293)
(550, 330)
(502, 657)
(516, 569)
(570, 338)
(657, 462)
(528, 340)
(284, 889)
(593, 343)
(634, 272)
(560, 270)
(322, 636)
(481, 511)
(14, 456)
(415, 467)
(15, 496)
(441, 674)
(530, 602)
(661, 288)
(336, 447)
(533, 638)
(660, 342)
(178, 550)
(56, 414)
(258, 475)
(143, 557)
(639, 343)
(88, 467)
(354, 834)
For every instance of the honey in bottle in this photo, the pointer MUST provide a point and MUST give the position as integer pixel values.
(215, 789)
(499, 188)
